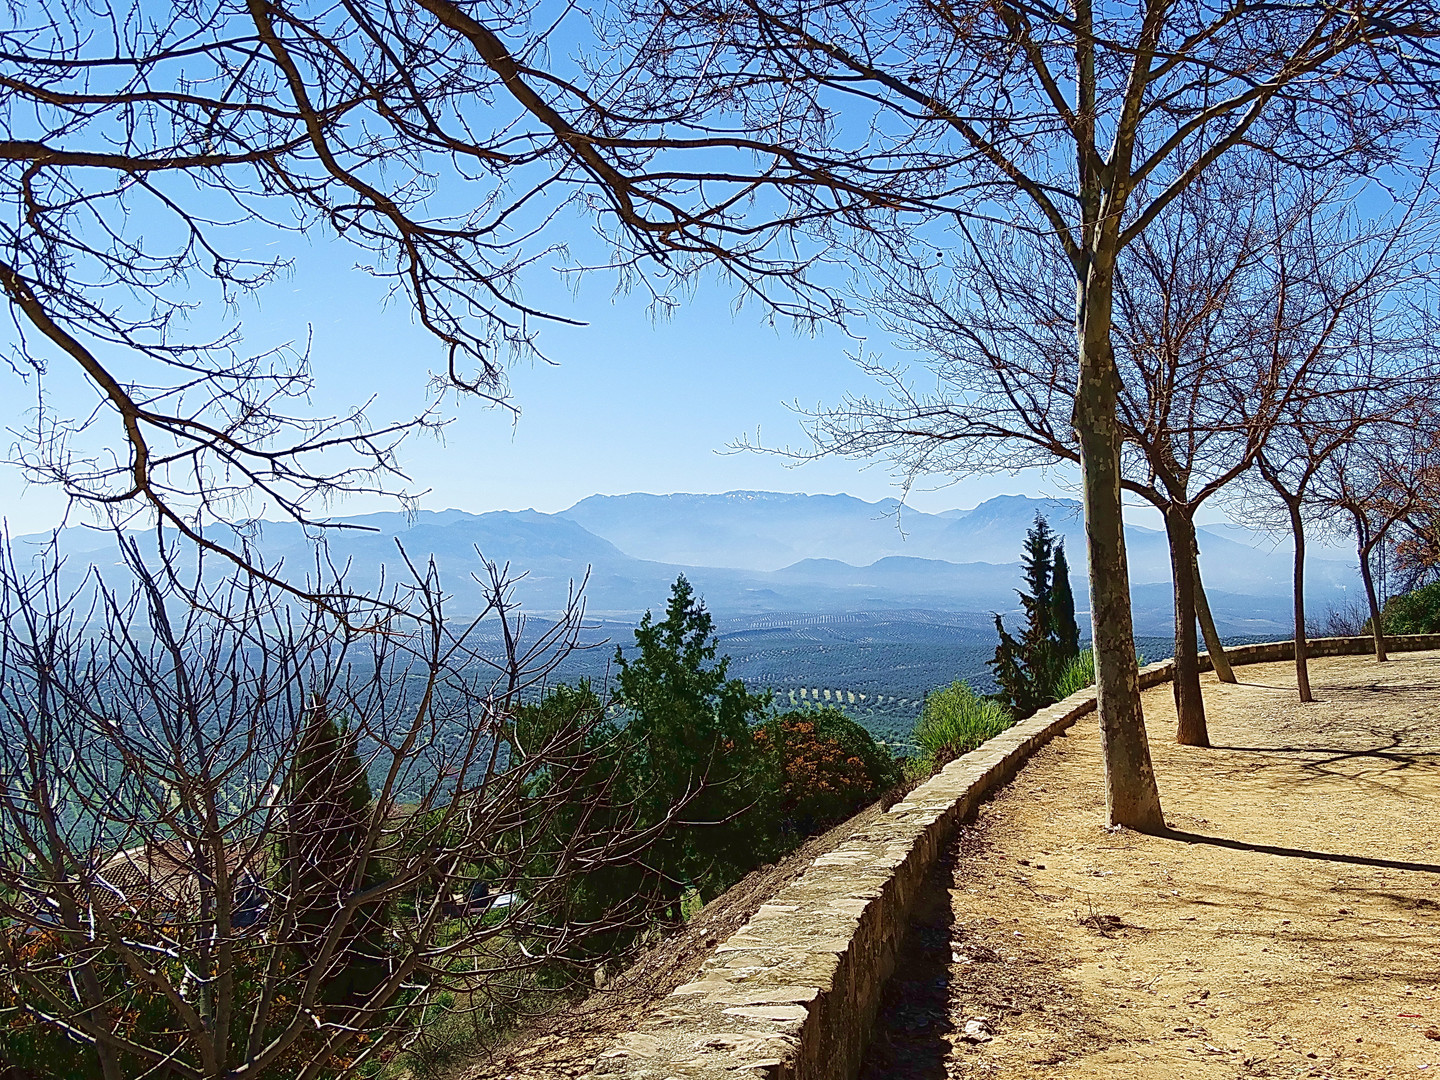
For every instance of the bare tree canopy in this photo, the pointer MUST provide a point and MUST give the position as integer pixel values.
(770, 141)
(1361, 398)
(1245, 297)
(1079, 125)
(149, 157)
(1383, 481)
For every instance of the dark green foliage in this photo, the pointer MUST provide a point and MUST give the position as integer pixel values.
(1067, 630)
(694, 764)
(1038, 564)
(1415, 612)
(689, 725)
(1028, 670)
(1011, 677)
(583, 796)
(328, 815)
(566, 718)
(828, 766)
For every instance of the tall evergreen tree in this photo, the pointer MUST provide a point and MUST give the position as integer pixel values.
(1027, 670)
(1067, 630)
(1039, 636)
(691, 724)
(328, 816)
(1011, 676)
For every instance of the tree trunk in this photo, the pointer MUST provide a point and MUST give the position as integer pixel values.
(1189, 705)
(1374, 603)
(1302, 663)
(1223, 671)
(1131, 796)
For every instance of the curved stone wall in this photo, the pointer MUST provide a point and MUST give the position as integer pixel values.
(794, 993)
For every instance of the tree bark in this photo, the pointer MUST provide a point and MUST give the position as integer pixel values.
(1365, 543)
(1373, 601)
(1223, 671)
(1131, 796)
(1190, 728)
(1302, 663)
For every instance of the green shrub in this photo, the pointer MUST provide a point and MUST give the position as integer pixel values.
(1078, 674)
(1415, 612)
(955, 720)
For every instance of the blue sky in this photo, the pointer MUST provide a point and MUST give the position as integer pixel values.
(631, 405)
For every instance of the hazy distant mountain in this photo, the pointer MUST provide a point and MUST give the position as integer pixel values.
(766, 530)
(752, 530)
(752, 553)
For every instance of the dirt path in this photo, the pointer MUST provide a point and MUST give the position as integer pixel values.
(1289, 927)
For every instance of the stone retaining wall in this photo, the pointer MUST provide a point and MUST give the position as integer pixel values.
(794, 993)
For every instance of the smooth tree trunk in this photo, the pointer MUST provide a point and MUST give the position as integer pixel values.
(1374, 603)
(1302, 659)
(1223, 671)
(1363, 549)
(1131, 796)
(1190, 727)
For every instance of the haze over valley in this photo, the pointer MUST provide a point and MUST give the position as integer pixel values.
(809, 592)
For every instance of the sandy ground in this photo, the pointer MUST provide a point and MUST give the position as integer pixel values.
(1290, 926)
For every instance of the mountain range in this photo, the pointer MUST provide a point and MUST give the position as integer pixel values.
(756, 556)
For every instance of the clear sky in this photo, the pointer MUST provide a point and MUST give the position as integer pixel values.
(631, 405)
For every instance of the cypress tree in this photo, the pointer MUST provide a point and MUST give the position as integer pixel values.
(1039, 636)
(1067, 630)
(1027, 670)
(1010, 674)
(328, 816)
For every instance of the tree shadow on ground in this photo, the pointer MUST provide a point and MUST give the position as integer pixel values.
(1299, 853)
(1380, 758)
(1331, 754)
(909, 1037)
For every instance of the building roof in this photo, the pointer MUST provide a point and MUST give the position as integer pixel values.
(169, 874)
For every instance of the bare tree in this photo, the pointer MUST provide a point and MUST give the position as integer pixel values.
(1079, 126)
(1380, 481)
(1188, 296)
(143, 154)
(1289, 467)
(150, 154)
(237, 839)
(1353, 322)
(1357, 407)
(1217, 328)
(768, 140)
(1415, 553)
